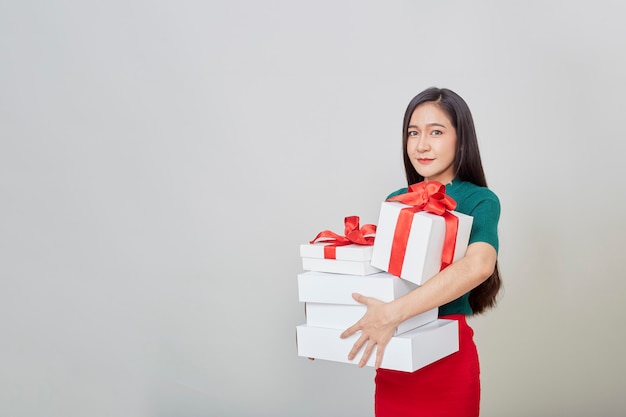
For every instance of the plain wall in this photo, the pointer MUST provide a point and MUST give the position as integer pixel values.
(161, 162)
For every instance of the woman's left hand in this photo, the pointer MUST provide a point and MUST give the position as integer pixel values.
(377, 327)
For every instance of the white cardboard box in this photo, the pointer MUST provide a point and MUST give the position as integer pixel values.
(324, 287)
(350, 259)
(339, 267)
(341, 316)
(407, 352)
(352, 252)
(425, 245)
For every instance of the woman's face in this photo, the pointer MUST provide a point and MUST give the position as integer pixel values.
(431, 143)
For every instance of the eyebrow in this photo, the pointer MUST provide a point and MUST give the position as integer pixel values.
(429, 124)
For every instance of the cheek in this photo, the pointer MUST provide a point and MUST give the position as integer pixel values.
(452, 149)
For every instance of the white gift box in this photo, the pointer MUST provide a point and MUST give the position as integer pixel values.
(424, 248)
(340, 316)
(324, 287)
(350, 259)
(407, 352)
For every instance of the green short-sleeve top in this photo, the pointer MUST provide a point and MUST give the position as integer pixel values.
(484, 206)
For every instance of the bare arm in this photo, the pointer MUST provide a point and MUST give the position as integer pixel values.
(381, 319)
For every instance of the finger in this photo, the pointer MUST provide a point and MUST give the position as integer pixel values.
(367, 353)
(379, 355)
(351, 330)
(360, 298)
(357, 347)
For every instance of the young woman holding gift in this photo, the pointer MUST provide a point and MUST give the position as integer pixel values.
(439, 144)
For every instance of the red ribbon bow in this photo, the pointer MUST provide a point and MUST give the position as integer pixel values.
(353, 234)
(427, 196)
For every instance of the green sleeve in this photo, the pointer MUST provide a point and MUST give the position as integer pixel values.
(486, 214)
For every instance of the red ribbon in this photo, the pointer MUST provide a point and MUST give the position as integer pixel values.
(427, 196)
(353, 234)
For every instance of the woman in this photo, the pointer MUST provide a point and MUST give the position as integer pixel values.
(439, 144)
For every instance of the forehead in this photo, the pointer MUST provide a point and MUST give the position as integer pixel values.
(429, 113)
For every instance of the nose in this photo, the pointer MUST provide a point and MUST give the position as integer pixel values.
(421, 144)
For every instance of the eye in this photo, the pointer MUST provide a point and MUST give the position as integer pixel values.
(413, 133)
(436, 132)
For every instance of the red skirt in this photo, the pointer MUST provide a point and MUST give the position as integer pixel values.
(448, 387)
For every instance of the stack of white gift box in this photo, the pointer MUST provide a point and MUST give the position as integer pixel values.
(334, 270)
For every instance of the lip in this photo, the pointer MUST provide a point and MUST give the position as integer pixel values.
(425, 161)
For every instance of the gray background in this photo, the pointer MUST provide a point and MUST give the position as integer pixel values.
(160, 163)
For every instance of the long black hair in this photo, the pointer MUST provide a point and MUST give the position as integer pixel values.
(467, 167)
